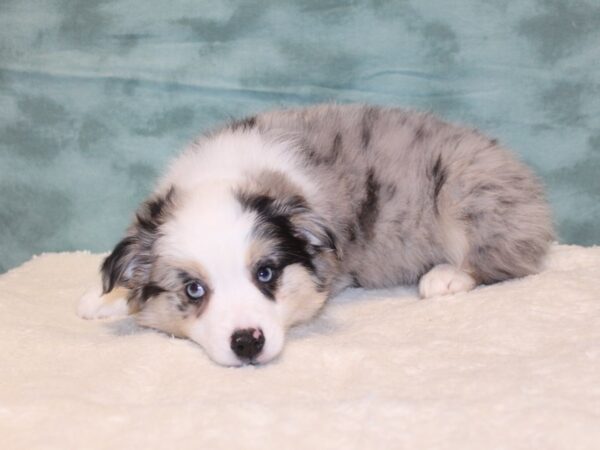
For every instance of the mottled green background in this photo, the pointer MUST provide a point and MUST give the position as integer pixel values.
(95, 95)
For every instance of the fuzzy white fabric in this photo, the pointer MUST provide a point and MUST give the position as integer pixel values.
(514, 365)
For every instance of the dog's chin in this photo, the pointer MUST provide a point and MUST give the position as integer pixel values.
(234, 361)
(228, 359)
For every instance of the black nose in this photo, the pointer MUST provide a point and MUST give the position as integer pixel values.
(247, 343)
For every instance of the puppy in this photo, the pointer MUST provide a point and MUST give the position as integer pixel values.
(258, 223)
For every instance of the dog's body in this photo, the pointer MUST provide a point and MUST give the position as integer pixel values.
(258, 223)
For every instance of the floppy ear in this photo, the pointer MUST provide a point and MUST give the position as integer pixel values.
(119, 267)
(320, 239)
(312, 229)
(130, 262)
(310, 226)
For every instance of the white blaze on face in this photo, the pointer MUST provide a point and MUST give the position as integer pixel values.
(210, 229)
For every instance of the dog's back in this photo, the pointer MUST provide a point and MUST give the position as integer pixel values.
(405, 191)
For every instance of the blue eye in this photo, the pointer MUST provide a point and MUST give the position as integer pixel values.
(264, 274)
(194, 290)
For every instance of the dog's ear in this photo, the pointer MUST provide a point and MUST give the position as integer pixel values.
(118, 268)
(313, 230)
(130, 262)
(321, 242)
(310, 226)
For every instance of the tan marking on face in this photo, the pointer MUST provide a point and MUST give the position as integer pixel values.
(297, 295)
(258, 250)
(162, 314)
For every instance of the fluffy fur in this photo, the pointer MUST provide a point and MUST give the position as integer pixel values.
(321, 198)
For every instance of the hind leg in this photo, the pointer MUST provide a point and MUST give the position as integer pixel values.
(93, 304)
(509, 244)
(493, 221)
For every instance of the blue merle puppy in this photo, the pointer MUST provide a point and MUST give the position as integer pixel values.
(259, 222)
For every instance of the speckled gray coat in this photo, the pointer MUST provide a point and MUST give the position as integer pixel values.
(404, 191)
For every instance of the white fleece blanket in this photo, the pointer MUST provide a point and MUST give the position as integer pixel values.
(515, 365)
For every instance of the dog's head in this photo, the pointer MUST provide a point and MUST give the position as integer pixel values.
(229, 266)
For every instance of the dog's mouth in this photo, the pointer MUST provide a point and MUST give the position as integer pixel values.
(246, 362)
(250, 362)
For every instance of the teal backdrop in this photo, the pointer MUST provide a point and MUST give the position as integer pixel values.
(97, 95)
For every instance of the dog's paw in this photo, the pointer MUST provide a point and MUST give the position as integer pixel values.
(445, 279)
(94, 305)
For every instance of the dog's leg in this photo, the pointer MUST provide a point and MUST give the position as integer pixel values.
(445, 279)
(94, 305)
(449, 278)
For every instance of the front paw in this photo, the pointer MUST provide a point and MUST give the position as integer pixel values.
(445, 279)
(94, 305)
